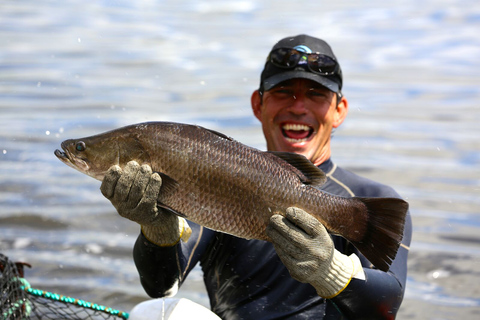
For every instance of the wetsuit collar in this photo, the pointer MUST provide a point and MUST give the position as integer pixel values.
(326, 166)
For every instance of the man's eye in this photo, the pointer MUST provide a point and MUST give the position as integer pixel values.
(317, 93)
(284, 91)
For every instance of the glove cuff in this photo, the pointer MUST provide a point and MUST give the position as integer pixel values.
(342, 268)
(168, 234)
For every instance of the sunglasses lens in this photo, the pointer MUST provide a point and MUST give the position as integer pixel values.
(289, 58)
(285, 58)
(322, 64)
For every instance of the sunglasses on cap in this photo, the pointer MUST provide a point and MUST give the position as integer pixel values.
(288, 58)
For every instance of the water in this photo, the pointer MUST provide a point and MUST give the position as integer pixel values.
(70, 69)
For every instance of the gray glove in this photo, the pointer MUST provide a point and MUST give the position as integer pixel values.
(133, 191)
(306, 249)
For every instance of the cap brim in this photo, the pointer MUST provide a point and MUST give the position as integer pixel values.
(271, 82)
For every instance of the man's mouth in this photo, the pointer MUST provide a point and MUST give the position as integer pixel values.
(296, 133)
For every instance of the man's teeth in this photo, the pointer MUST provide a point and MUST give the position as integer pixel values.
(291, 140)
(296, 127)
(300, 128)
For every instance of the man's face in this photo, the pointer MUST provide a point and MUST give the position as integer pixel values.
(298, 116)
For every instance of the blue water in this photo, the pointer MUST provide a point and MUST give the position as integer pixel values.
(71, 69)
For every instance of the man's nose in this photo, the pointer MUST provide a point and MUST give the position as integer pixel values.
(298, 103)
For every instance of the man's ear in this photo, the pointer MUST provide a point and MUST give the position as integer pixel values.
(256, 101)
(340, 112)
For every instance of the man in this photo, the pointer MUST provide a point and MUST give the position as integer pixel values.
(304, 273)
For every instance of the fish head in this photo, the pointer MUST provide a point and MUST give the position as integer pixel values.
(94, 155)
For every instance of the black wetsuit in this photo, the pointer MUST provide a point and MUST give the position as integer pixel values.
(245, 279)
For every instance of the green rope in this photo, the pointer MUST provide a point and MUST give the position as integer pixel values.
(78, 302)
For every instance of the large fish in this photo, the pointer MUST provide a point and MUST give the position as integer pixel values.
(219, 183)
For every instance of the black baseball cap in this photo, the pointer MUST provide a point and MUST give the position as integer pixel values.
(273, 75)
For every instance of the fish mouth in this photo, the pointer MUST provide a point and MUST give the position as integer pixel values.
(70, 159)
(296, 132)
(65, 155)
(61, 155)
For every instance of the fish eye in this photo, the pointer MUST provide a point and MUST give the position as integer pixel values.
(80, 146)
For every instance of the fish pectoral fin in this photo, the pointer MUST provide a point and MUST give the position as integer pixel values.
(308, 172)
(168, 184)
(164, 207)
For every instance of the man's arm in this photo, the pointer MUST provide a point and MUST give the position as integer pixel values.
(162, 270)
(159, 271)
(381, 294)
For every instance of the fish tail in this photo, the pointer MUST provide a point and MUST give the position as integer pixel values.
(384, 231)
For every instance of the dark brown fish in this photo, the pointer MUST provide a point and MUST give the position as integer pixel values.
(219, 183)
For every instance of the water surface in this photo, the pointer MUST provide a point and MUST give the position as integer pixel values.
(71, 69)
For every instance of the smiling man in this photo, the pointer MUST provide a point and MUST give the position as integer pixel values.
(298, 116)
(299, 100)
(304, 272)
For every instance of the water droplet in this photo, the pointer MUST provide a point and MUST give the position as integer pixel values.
(47, 133)
(79, 40)
(436, 274)
(4, 151)
(21, 243)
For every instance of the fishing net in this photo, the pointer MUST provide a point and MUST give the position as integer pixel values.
(19, 301)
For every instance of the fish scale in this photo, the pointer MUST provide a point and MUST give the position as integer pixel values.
(224, 185)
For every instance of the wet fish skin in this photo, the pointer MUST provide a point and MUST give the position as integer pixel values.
(224, 185)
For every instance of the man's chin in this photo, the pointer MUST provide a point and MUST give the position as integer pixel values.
(300, 147)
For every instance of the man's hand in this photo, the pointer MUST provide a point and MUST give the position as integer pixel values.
(133, 191)
(306, 249)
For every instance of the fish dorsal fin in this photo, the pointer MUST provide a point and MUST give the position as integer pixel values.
(218, 134)
(309, 173)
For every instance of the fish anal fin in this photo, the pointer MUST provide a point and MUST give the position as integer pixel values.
(309, 173)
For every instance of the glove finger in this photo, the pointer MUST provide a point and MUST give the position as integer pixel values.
(140, 184)
(125, 183)
(305, 221)
(275, 230)
(286, 235)
(110, 181)
(287, 228)
(284, 246)
(293, 264)
(148, 203)
(153, 188)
